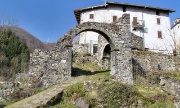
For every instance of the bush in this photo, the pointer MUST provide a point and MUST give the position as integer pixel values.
(115, 94)
(74, 91)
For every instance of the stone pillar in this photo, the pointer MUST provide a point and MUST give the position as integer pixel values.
(121, 65)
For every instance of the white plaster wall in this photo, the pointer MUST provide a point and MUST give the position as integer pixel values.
(150, 38)
(175, 33)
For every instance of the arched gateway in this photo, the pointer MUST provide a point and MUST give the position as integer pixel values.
(56, 66)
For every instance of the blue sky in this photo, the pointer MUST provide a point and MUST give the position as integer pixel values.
(49, 20)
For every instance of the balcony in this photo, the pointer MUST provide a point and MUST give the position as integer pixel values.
(140, 24)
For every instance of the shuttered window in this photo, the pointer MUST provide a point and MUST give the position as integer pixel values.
(114, 18)
(158, 21)
(134, 20)
(160, 34)
(91, 16)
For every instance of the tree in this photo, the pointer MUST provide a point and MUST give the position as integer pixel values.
(6, 20)
(14, 54)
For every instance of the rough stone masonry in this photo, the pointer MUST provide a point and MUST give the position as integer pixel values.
(55, 66)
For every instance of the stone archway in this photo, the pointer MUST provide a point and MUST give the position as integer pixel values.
(56, 66)
(118, 36)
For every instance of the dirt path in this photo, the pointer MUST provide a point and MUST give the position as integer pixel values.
(44, 97)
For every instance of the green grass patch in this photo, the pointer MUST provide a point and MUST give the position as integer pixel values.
(74, 91)
(171, 74)
(64, 104)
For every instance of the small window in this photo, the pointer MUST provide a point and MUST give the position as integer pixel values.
(158, 21)
(124, 8)
(160, 34)
(134, 29)
(91, 16)
(134, 20)
(95, 48)
(114, 18)
(157, 12)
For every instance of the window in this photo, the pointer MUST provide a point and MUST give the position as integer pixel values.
(134, 29)
(134, 20)
(95, 47)
(157, 12)
(160, 34)
(158, 21)
(124, 8)
(114, 18)
(91, 16)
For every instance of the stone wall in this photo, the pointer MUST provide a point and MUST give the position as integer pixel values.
(145, 61)
(7, 88)
(80, 49)
(171, 86)
(137, 42)
(48, 67)
(102, 42)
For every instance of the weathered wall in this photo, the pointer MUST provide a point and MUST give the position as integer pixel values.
(145, 61)
(49, 67)
(80, 49)
(171, 86)
(137, 42)
(6, 89)
(102, 42)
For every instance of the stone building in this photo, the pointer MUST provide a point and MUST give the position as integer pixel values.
(150, 23)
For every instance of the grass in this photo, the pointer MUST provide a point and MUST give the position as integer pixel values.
(91, 71)
(171, 74)
(91, 67)
(112, 94)
(153, 95)
(64, 104)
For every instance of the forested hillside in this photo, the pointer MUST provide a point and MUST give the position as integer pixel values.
(31, 41)
(14, 55)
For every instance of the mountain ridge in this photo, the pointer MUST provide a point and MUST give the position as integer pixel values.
(31, 41)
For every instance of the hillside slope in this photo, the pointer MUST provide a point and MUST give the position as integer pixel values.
(31, 41)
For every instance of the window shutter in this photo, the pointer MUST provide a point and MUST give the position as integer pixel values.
(134, 20)
(91, 16)
(114, 18)
(158, 21)
(159, 34)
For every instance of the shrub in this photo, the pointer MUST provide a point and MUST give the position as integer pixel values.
(115, 94)
(74, 91)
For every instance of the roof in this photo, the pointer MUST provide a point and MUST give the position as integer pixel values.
(78, 12)
(175, 25)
